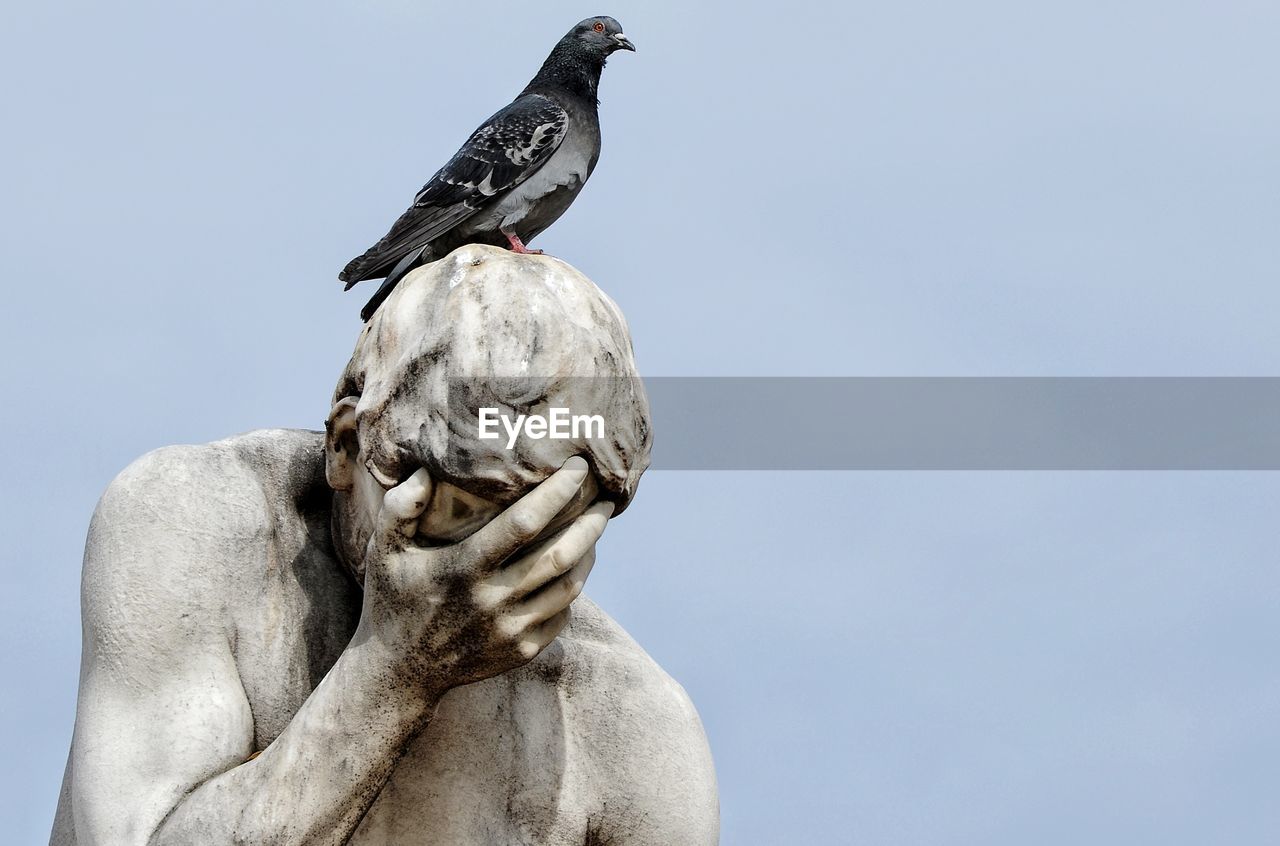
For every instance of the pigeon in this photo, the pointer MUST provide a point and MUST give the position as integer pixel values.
(514, 176)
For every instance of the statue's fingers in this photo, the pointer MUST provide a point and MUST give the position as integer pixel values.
(558, 554)
(525, 520)
(539, 637)
(558, 594)
(403, 505)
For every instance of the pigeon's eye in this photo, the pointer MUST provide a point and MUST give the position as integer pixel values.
(599, 27)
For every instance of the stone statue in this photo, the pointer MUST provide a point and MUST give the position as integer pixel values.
(364, 635)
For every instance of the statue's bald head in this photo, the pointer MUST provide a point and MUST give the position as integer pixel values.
(486, 328)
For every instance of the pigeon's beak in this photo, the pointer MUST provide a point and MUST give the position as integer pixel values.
(623, 43)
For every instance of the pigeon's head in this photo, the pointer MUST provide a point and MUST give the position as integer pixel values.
(602, 35)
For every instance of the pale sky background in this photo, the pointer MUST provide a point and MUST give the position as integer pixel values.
(807, 188)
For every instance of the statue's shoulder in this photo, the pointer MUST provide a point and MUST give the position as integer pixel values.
(625, 709)
(625, 694)
(593, 631)
(206, 498)
(234, 473)
(260, 454)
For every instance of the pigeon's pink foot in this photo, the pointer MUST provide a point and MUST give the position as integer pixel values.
(517, 246)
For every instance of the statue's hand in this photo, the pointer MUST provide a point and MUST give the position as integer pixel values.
(452, 615)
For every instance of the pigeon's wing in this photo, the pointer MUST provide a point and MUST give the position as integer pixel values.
(506, 150)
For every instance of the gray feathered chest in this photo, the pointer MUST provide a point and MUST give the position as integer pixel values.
(547, 193)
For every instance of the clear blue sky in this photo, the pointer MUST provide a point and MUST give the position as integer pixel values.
(917, 188)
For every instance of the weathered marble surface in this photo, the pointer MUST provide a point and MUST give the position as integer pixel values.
(485, 327)
(272, 654)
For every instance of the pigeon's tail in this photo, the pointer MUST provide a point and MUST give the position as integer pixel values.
(409, 262)
(358, 269)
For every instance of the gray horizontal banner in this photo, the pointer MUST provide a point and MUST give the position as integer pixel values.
(933, 423)
(965, 423)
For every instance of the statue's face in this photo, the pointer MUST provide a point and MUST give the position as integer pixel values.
(452, 514)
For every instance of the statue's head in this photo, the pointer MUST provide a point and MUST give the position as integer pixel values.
(484, 330)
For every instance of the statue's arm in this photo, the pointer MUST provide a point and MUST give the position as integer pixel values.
(163, 726)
